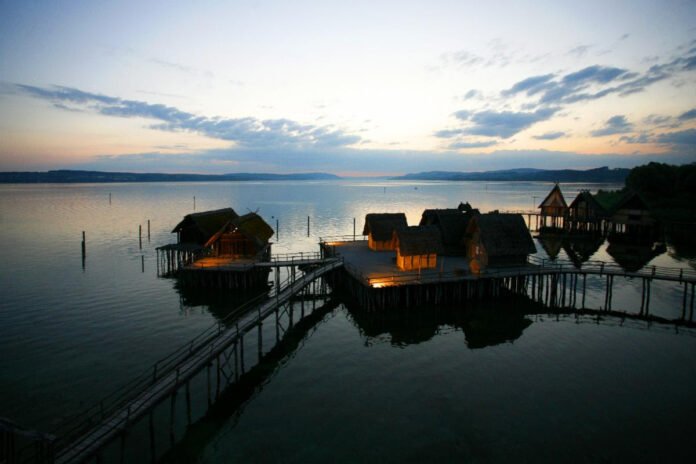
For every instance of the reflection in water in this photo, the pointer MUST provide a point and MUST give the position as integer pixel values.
(633, 257)
(233, 400)
(551, 244)
(220, 303)
(483, 323)
(581, 248)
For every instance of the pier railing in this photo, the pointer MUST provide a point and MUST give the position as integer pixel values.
(601, 267)
(535, 266)
(84, 434)
(72, 427)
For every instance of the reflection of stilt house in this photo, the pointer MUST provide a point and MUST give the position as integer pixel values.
(379, 228)
(242, 237)
(417, 247)
(631, 216)
(452, 226)
(633, 257)
(551, 244)
(585, 214)
(581, 248)
(554, 206)
(498, 240)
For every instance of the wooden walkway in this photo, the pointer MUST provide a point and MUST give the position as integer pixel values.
(118, 423)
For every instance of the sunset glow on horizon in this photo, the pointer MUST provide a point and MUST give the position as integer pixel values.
(367, 88)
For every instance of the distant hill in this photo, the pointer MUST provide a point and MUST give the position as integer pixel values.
(603, 174)
(68, 176)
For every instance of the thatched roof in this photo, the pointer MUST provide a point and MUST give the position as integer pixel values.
(451, 223)
(207, 222)
(591, 201)
(613, 201)
(382, 225)
(418, 240)
(251, 225)
(631, 200)
(503, 234)
(554, 193)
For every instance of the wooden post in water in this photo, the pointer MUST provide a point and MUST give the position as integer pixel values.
(172, 419)
(140, 236)
(277, 230)
(153, 451)
(142, 263)
(148, 230)
(109, 197)
(84, 249)
(307, 226)
(194, 202)
(188, 403)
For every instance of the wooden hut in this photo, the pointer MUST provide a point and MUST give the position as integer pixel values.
(631, 216)
(417, 247)
(197, 228)
(242, 237)
(553, 206)
(498, 240)
(585, 214)
(452, 226)
(379, 228)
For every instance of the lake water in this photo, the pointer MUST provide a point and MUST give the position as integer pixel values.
(456, 384)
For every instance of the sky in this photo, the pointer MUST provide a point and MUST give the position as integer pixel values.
(351, 88)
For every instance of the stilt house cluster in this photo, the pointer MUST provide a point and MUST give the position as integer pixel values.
(623, 213)
(485, 239)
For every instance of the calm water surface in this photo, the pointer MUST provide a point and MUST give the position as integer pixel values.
(430, 386)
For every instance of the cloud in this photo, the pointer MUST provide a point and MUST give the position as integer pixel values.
(248, 131)
(685, 137)
(597, 81)
(475, 144)
(473, 93)
(625, 36)
(643, 137)
(579, 51)
(448, 133)
(503, 124)
(691, 114)
(615, 125)
(550, 136)
(530, 86)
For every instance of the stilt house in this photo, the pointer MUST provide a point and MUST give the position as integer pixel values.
(242, 237)
(379, 228)
(585, 213)
(554, 206)
(498, 240)
(197, 228)
(632, 217)
(452, 226)
(417, 247)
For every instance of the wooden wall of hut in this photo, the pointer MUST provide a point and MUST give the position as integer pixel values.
(381, 245)
(414, 263)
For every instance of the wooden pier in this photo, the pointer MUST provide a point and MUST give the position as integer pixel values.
(375, 283)
(216, 358)
(220, 349)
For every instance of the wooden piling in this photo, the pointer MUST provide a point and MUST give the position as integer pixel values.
(148, 230)
(172, 418)
(188, 403)
(307, 226)
(140, 236)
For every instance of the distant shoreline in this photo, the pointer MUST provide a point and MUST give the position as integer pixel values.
(599, 175)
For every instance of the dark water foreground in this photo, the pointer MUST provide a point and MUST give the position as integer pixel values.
(487, 383)
(478, 384)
